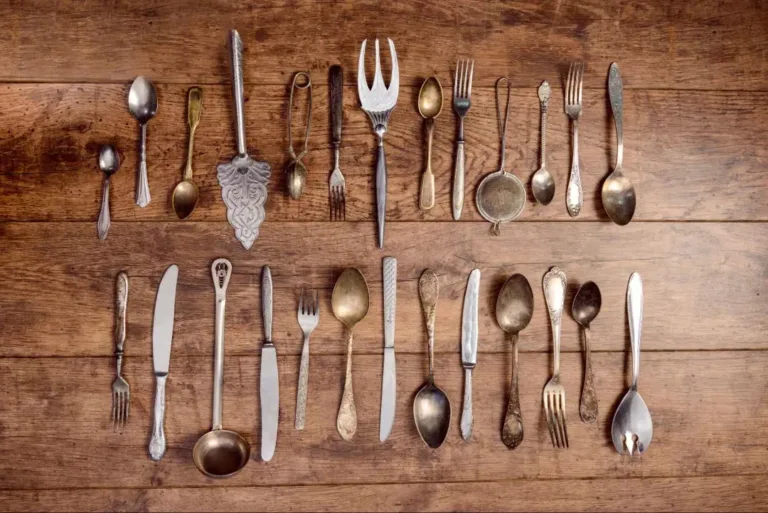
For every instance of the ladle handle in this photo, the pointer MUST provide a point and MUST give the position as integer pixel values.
(346, 421)
(221, 270)
(236, 45)
(616, 95)
(157, 443)
(635, 314)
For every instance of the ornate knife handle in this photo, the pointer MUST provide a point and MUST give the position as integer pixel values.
(157, 443)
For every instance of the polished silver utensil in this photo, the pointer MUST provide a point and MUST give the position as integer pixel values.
(162, 336)
(309, 317)
(243, 180)
(542, 183)
(349, 300)
(109, 163)
(501, 196)
(632, 427)
(186, 193)
(431, 407)
(296, 172)
(430, 105)
(554, 392)
(618, 193)
(378, 102)
(469, 348)
(462, 101)
(142, 102)
(121, 391)
(586, 306)
(388, 381)
(269, 389)
(337, 188)
(514, 309)
(220, 453)
(573, 85)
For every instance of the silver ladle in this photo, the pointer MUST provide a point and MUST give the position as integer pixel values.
(501, 195)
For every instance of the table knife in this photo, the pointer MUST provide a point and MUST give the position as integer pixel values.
(388, 383)
(469, 348)
(269, 390)
(162, 336)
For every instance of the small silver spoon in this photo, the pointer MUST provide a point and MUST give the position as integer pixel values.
(142, 102)
(542, 183)
(109, 163)
(586, 306)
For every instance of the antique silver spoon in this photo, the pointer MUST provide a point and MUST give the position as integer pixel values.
(542, 183)
(142, 102)
(109, 163)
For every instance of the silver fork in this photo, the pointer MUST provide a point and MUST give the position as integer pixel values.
(121, 392)
(309, 316)
(337, 186)
(378, 102)
(554, 392)
(462, 92)
(573, 86)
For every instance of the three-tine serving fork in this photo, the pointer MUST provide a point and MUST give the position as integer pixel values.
(554, 392)
(462, 92)
(121, 391)
(309, 316)
(573, 86)
(337, 188)
(378, 102)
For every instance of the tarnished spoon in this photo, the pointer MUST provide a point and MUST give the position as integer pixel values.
(142, 102)
(109, 163)
(430, 105)
(542, 183)
(586, 306)
(186, 193)
(618, 193)
(514, 309)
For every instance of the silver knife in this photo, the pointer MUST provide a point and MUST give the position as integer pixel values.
(388, 384)
(269, 390)
(469, 348)
(162, 336)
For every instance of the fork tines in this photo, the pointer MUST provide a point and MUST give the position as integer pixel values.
(554, 407)
(462, 83)
(338, 203)
(121, 404)
(573, 85)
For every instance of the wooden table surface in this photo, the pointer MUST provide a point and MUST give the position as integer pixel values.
(696, 127)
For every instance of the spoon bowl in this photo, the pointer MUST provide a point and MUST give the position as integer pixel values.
(430, 98)
(632, 427)
(109, 160)
(296, 179)
(432, 414)
(184, 199)
(514, 309)
(430, 106)
(619, 197)
(543, 186)
(142, 100)
(349, 300)
(586, 304)
(221, 453)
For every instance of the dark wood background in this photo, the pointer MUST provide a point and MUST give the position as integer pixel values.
(696, 121)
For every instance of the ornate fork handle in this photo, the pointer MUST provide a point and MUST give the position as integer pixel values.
(122, 306)
(574, 195)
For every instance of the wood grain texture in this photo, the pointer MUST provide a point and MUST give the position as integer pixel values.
(691, 156)
(716, 45)
(730, 493)
(51, 421)
(61, 302)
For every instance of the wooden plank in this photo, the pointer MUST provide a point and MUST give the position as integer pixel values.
(609, 495)
(719, 45)
(703, 283)
(690, 156)
(708, 410)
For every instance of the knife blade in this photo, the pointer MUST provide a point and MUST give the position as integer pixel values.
(388, 382)
(469, 348)
(162, 336)
(269, 390)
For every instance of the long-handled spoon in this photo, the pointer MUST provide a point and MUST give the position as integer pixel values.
(109, 163)
(586, 306)
(186, 193)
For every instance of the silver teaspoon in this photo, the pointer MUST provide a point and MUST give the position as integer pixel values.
(632, 427)
(142, 102)
(542, 183)
(109, 163)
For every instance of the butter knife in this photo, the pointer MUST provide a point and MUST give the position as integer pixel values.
(469, 348)
(388, 383)
(269, 389)
(162, 336)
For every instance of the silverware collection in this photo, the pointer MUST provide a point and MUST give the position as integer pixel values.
(500, 198)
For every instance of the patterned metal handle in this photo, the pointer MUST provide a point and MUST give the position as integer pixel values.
(554, 293)
(616, 95)
(337, 102)
(142, 187)
(573, 194)
(545, 91)
(157, 443)
(635, 314)
(121, 307)
(427, 197)
(236, 45)
(512, 432)
(458, 181)
(194, 110)
(390, 300)
(466, 414)
(266, 302)
(301, 395)
(588, 403)
(102, 226)
(346, 421)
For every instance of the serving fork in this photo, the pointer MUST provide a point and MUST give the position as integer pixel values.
(378, 102)
(462, 93)
(573, 86)
(121, 391)
(337, 188)
(554, 392)
(308, 316)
